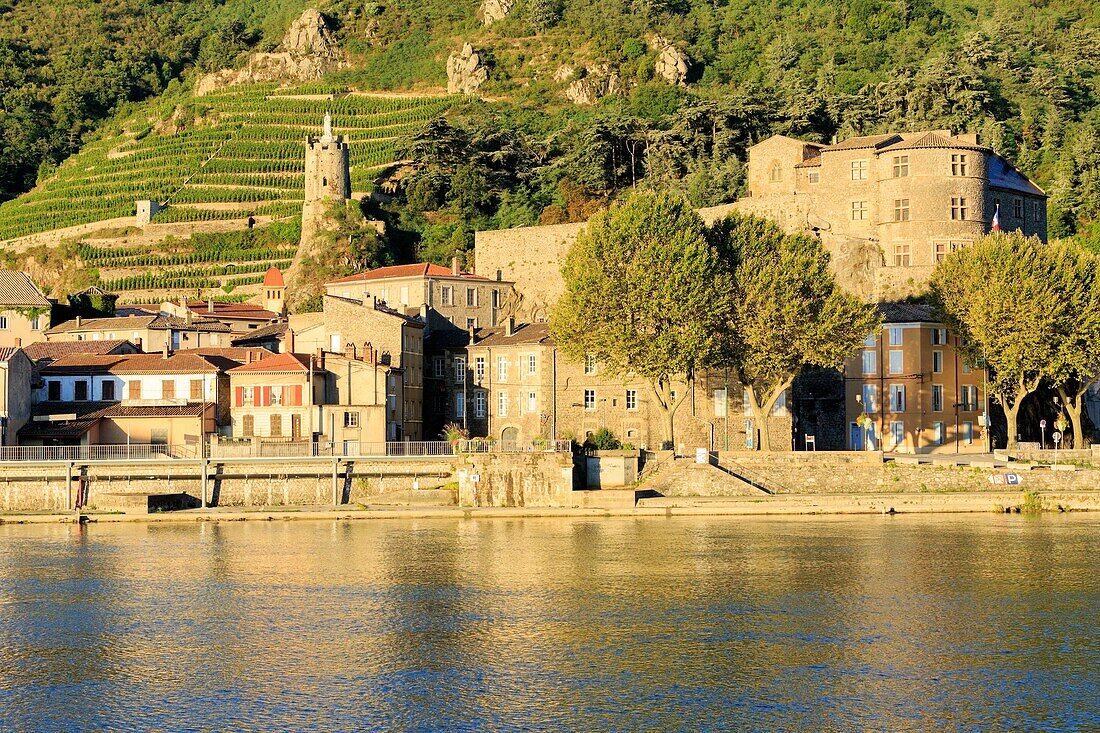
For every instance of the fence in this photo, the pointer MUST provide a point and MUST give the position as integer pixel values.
(274, 449)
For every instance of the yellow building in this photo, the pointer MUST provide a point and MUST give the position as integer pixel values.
(24, 311)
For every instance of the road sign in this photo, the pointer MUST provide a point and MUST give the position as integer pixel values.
(1043, 424)
(1005, 479)
(1057, 436)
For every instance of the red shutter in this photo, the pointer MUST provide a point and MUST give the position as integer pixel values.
(240, 396)
(265, 397)
(297, 398)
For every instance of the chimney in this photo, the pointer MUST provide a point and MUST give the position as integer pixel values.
(188, 316)
(349, 351)
(288, 341)
(78, 320)
(510, 326)
(137, 343)
(210, 304)
(18, 343)
(455, 269)
(164, 351)
(368, 352)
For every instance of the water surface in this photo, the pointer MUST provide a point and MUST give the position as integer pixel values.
(977, 623)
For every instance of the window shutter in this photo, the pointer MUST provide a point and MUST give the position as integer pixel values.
(265, 397)
(240, 396)
(296, 399)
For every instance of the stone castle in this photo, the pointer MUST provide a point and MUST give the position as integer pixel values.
(888, 207)
(328, 182)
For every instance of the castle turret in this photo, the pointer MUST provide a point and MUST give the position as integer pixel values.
(328, 176)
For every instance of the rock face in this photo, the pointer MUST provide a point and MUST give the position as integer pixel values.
(494, 10)
(672, 63)
(307, 52)
(597, 82)
(465, 71)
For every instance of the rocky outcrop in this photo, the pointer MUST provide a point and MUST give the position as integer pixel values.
(672, 63)
(596, 83)
(466, 71)
(494, 10)
(307, 52)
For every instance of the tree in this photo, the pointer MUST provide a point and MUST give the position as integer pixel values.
(789, 311)
(1005, 296)
(644, 295)
(1077, 360)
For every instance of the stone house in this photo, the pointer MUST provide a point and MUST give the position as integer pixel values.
(395, 337)
(151, 333)
(911, 381)
(17, 373)
(24, 310)
(241, 319)
(362, 400)
(517, 387)
(276, 397)
(44, 352)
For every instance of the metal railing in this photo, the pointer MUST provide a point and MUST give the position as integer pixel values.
(275, 449)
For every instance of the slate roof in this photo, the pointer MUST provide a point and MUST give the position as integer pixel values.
(272, 330)
(898, 312)
(525, 333)
(158, 322)
(18, 290)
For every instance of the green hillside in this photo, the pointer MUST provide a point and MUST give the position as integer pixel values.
(236, 153)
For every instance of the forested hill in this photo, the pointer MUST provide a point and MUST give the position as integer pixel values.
(1022, 74)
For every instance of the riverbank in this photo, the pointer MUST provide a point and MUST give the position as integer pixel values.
(617, 505)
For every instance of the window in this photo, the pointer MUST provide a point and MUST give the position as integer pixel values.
(532, 401)
(937, 433)
(471, 297)
(276, 396)
(632, 398)
(53, 391)
(502, 369)
(958, 164)
(3, 323)
(719, 402)
(896, 335)
(196, 389)
(479, 404)
(814, 176)
(80, 390)
(134, 389)
(937, 362)
(590, 399)
(870, 365)
(897, 361)
(897, 433)
(901, 209)
(446, 295)
(351, 419)
(496, 299)
(939, 336)
(248, 425)
(276, 425)
(404, 295)
(968, 432)
(36, 323)
(901, 166)
(937, 398)
(870, 398)
(158, 436)
(859, 170)
(897, 398)
(460, 369)
(1018, 207)
(589, 365)
(859, 210)
(780, 407)
(471, 324)
(871, 339)
(479, 369)
(958, 208)
(901, 255)
(460, 404)
(502, 404)
(966, 368)
(532, 364)
(1037, 210)
(776, 173)
(437, 367)
(941, 251)
(968, 397)
(107, 391)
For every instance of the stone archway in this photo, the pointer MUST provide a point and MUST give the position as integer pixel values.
(509, 438)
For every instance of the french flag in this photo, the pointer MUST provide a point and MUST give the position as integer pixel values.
(997, 219)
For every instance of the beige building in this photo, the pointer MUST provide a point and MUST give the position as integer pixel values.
(276, 397)
(362, 401)
(150, 333)
(24, 310)
(912, 388)
(16, 393)
(370, 326)
(516, 387)
(890, 206)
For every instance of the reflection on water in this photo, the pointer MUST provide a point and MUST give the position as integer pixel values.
(870, 624)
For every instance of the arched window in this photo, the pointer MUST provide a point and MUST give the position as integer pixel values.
(776, 172)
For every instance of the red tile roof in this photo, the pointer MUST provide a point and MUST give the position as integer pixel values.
(230, 310)
(525, 333)
(276, 363)
(419, 269)
(17, 288)
(273, 278)
(138, 364)
(57, 349)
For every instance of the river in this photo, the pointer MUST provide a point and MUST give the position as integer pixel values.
(903, 623)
